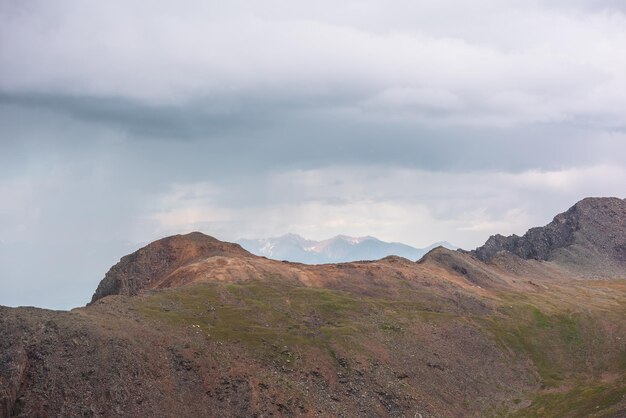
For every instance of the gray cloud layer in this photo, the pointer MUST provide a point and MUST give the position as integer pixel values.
(421, 122)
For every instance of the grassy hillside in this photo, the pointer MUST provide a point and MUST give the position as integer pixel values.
(571, 359)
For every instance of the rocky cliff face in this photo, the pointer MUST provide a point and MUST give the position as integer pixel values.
(593, 227)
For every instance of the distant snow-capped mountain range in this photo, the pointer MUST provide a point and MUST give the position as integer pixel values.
(342, 248)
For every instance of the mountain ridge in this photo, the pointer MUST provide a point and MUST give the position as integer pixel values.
(340, 248)
(189, 325)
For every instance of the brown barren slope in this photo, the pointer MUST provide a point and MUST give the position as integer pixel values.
(191, 326)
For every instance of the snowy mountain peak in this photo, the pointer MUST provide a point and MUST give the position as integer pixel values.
(341, 248)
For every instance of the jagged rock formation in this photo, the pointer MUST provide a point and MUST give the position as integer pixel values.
(592, 233)
(191, 326)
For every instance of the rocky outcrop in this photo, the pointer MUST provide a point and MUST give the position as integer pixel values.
(157, 260)
(593, 226)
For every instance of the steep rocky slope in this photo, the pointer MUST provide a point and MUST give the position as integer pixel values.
(191, 326)
(590, 236)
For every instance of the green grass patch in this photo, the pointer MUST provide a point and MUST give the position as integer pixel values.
(553, 341)
(391, 327)
(579, 402)
(264, 315)
(540, 319)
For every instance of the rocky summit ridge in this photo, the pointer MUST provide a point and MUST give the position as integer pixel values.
(192, 326)
(594, 229)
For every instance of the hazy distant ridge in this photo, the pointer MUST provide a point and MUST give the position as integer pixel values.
(342, 248)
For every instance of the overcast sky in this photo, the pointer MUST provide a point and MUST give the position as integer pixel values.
(126, 121)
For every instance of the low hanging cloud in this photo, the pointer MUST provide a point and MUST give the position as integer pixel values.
(414, 206)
